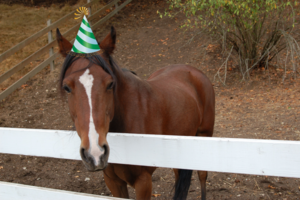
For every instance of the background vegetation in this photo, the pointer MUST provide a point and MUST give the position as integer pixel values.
(257, 31)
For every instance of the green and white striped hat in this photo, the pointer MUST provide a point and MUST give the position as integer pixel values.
(85, 41)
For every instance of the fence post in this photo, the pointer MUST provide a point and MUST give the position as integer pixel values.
(50, 39)
(116, 6)
(89, 8)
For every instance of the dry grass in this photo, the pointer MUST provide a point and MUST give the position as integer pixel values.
(18, 22)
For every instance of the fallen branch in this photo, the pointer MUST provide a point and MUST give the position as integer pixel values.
(225, 68)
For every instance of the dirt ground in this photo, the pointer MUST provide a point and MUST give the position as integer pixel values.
(262, 108)
(37, 2)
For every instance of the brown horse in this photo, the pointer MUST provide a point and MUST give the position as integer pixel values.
(102, 98)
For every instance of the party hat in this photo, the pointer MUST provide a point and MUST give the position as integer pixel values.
(85, 41)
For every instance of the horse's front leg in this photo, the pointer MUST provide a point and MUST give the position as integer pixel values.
(117, 186)
(143, 186)
(203, 177)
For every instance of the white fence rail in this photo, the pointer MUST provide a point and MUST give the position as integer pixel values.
(12, 191)
(246, 156)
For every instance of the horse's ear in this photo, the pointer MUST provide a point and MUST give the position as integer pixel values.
(64, 45)
(108, 44)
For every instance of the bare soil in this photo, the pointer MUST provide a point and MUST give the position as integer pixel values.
(38, 2)
(262, 108)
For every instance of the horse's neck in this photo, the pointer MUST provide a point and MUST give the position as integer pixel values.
(127, 98)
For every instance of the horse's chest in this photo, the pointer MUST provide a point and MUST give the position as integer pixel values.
(130, 173)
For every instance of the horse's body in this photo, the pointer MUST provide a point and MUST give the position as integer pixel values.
(170, 102)
(175, 100)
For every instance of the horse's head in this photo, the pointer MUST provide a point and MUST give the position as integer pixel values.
(89, 84)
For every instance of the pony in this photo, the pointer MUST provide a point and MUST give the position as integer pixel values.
(175, 100)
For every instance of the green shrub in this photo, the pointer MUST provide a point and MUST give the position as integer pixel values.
(257, 30)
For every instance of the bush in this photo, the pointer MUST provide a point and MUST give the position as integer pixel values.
(257, 30)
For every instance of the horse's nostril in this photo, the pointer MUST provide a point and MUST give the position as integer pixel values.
(85, 156)
(105, 149)
(82, 152)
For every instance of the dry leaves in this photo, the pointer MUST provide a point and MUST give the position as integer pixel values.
(211, 47)
(24, 86)
(156, 195)
(164, 41)
(271, 187)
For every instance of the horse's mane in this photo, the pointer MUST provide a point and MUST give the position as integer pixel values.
(94, 59)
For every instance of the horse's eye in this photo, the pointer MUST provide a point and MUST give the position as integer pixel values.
(110, 85)
(67, 89)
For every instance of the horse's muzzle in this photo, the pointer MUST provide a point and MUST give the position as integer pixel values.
(90, 162)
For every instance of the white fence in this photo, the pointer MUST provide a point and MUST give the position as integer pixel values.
(12, 191)
(245, 156)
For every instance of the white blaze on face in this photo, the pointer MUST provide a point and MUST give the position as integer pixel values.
(95, 150)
